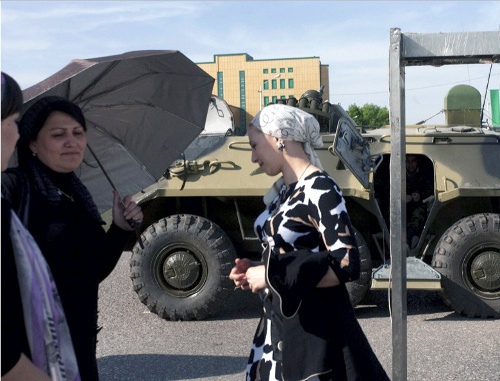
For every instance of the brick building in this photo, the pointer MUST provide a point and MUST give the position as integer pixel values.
(247, 85)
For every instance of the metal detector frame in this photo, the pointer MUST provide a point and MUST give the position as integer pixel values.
(416, 49)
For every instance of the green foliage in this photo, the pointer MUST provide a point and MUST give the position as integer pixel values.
(369, 115)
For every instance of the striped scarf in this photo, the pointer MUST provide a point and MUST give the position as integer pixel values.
(46, 327)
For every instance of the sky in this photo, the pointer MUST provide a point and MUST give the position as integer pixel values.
(38, 38)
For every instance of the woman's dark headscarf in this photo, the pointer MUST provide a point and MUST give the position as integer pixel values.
(35, 117)
(12, 96)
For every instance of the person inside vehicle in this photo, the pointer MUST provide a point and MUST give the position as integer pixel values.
(418, 188)
(308, 329)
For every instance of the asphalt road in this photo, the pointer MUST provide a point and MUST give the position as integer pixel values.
(136, 345)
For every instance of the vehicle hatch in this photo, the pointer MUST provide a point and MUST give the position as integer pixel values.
(354, 152)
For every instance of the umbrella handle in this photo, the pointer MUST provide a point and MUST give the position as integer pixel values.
(132, 223)
(103, 170)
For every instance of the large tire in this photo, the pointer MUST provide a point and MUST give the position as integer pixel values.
(181, 270)
(358, 288)
(468, 258)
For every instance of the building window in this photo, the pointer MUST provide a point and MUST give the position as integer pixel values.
(265, 71)
(283, 97)
(273, 70)
(220, 84)
(274, 84)
(243, 101)
(266, 101)
(282, 69)
(282, 83)
(290, 83)
(275, 98)
(290, 69)
(265, 84)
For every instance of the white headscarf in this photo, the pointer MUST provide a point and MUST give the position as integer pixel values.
(289, 123)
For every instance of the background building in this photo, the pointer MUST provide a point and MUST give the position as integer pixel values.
(247, 85)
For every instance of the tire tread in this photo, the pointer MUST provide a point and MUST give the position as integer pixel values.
(221, 249)
(446, 255)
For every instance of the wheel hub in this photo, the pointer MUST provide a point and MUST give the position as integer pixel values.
(485, 271)
(181, 270)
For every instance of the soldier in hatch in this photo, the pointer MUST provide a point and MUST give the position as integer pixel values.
(418, 187)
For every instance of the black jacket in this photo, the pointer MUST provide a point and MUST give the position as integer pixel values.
(79, 251)
(315, 330)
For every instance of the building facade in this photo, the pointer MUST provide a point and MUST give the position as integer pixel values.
(247, 85)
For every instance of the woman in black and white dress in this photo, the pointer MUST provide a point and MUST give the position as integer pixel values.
(308, 330)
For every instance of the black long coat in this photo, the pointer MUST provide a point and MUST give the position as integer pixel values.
(79, 251)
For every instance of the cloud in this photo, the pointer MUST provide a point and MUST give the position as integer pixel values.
(27, 45)
(76, 19)
(352, 37)
(122, 11)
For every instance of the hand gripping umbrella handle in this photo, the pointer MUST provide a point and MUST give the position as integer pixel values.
(133, 223)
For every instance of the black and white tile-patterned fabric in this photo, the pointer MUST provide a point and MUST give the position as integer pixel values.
(310, 215)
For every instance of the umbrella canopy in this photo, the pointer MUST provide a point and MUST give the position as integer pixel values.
(142, 110)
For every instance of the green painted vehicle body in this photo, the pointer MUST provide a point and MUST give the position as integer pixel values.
(218, 194)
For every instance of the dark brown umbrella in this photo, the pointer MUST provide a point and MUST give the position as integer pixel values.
(142, 110)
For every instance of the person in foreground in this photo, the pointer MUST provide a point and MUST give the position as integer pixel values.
(308, 329)
(36, 343)
(63, 218)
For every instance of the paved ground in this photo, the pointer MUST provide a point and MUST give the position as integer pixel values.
(136, 345)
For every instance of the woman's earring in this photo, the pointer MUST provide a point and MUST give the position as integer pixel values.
(33, 153)
(281, 146)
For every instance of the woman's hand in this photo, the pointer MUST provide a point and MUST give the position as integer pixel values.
(238, 272)
(256, 278)
(126, 213)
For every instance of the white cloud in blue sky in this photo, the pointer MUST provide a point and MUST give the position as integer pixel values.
(40, 37)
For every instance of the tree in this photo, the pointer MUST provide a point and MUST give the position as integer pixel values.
(369, 115)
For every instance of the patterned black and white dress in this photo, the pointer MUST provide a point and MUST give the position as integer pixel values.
(309, 333)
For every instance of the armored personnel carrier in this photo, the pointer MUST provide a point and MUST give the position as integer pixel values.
(199, 216)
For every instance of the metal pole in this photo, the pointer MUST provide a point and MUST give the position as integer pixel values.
(398, 207)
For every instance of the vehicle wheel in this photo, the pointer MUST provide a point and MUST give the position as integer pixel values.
(358, 289)
(181, 270)
(468, 257)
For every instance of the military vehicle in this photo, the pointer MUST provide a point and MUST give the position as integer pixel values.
(199, 217)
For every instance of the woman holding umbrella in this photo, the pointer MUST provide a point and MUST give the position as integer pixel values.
(63, 218)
